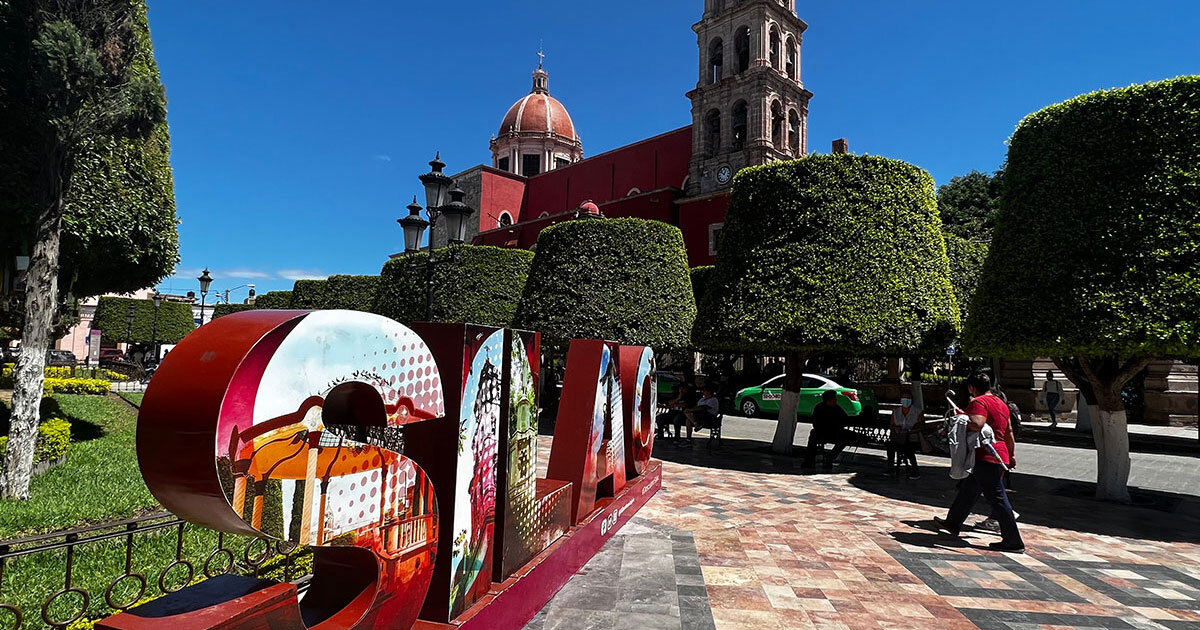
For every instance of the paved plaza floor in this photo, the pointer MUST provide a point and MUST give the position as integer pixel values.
(739, 538)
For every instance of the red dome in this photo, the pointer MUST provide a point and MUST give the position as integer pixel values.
(538, 112)
(588, 207)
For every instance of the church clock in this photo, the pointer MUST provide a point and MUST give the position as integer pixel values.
(724, 174)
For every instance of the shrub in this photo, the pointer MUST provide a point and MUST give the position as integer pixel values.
(222, 310)
(54, 437)
(92, 386)
(624, 280)
(701, 277)
(112, 320)
(830, 253)
(482, 286)
(352, 293)
(274, 300)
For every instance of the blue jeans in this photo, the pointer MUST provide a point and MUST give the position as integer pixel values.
(986, 478)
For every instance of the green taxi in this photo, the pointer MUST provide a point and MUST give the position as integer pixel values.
(765, 398)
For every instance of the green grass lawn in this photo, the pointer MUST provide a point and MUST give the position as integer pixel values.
(135, 398)
(99, 482)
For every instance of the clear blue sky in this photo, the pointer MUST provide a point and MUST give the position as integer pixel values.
(299, 127)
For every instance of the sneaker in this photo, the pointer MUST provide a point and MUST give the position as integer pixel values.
(944, 527)
(1007, 547)
(988, 525)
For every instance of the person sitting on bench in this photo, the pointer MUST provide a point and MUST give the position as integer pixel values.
(704, 414)
(684, 398)
(905, 437)
(828, 427)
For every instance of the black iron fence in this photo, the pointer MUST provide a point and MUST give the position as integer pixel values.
(57, 579)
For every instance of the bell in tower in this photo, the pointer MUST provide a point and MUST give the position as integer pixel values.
(749, 106)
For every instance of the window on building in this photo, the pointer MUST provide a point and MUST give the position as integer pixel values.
(739, 126)
(531, 164)
(712, 130)
(716, 58)
(505, 219)
(794, 132)
(791, 59)
(560, 162)
(741, 42)
(775, 49)
(502, 164)
(777, 125)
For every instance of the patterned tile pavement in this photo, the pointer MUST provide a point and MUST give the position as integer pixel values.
(776, 548)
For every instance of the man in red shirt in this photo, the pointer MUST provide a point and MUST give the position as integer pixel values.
(987, 477)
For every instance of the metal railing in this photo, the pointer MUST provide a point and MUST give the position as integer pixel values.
(97, 594)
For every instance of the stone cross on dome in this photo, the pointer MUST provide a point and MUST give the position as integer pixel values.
(541, 58)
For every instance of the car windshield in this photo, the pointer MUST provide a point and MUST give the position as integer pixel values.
(775, 382)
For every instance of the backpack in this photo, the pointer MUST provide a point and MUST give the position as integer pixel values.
(1014, 418)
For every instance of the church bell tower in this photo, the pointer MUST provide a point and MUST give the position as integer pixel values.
(749, 106)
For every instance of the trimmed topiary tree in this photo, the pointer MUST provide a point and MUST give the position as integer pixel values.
(836, 253)
(1096, 256)
(482, 286)
(309, 294)
(623, 280)
(221, 310)
(112, 320)
(966, 261)
(352, 293)
(274, 300)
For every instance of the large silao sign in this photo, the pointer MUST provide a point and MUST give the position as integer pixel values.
(405, 457)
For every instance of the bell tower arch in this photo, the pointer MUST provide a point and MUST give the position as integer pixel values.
(750, 106)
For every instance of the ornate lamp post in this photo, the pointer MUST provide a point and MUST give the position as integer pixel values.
(130, 315)
(437, 185)
(154, 329)
(413, 226)
(205, 281)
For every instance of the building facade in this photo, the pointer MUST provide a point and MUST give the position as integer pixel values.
(749, 107)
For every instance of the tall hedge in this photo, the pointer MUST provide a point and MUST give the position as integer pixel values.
(624, 280)
(354, 293)
(119, 225)
(221, 310)
(274, 300)
(112, 320)
(830, 253)
(309, 294)
(482, 287)
(966, 262)
(1097, 245)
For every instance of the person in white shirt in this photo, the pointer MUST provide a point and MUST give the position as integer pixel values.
(704, 414)
(1052, 394)
(905, 438)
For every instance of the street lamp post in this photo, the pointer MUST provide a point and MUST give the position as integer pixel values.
(205, 281)
(130, 315)
(251, 285)
(154, 329)
(436, 185)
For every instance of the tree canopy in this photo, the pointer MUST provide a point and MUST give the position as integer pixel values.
(624, 280)
(471, 284)
(112, 320)
(966, 262)
(1097, 244)
(830, 253)
(968, 204)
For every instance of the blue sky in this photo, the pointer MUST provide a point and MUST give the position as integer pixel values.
(299, 127)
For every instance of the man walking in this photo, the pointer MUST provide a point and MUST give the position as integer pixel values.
(987, 476)
(1052, 393)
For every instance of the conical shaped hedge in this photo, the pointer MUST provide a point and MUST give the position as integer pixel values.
(624, 280)
(830, 253)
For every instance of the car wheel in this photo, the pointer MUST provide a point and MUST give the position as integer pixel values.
(749, 408)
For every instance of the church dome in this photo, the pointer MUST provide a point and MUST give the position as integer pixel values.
(538, 112)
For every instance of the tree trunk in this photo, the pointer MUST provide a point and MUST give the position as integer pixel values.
(41, 304)
(1112, 455)
(785, 428)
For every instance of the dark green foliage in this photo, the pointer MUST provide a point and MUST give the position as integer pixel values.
(112, 320)
(221, 310)
(482, 287)
(624, 280)
(119, 225)
(1097, 244)
(701, 277)
(353, 293)
(830, 253)
(966, 261)
(968, 205)
(274, 300)
(309, 294)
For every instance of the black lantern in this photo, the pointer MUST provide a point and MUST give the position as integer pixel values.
(157, 299)
(132, 313)
(205, 281)
(436, 184)
(414, 226)
(456, 213)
